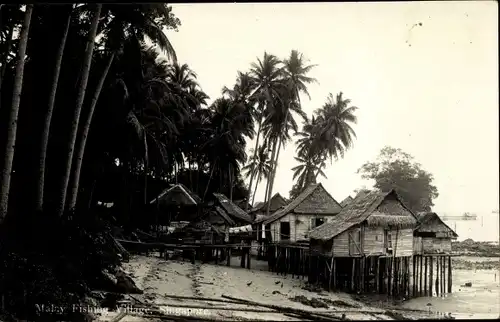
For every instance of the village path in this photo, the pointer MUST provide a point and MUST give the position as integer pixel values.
(158, 277)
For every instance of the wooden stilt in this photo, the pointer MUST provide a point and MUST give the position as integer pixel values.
(414, 265)
(443, 291)
(437, 276)
(449, 275)
(425, 277)
(443, 270)
(377, 275)
(353, 271)
(389, 276)
(362, 273)
(417, 267)
(249, 256)
(420, 276)
(431, 266)
(228, 256)
(334, 269)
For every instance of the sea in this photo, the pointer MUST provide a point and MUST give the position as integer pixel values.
(480, 301)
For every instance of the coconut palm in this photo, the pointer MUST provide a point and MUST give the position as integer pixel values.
(296, 80)
(259, 166)
(49, 112)
(334, 121)
(125, 22)
(13, 114)
(60, 206)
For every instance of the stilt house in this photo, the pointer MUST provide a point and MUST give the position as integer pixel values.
(432, 235)
(313, 207)
(374, 226)
(176, 204)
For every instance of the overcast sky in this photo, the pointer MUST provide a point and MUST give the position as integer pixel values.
(431, 90)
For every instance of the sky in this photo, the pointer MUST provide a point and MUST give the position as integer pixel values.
(429, 89)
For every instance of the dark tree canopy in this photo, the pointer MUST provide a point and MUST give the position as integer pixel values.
(397, 169)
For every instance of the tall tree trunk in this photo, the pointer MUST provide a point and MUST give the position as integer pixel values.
(13, 115)
(269, 180)
(80, 148)
(78, 108)
(209, 179)
(48, 116)
(255, 190)
(273, 175)
(254, 155)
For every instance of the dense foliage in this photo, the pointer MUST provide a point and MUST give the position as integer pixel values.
(396, 169)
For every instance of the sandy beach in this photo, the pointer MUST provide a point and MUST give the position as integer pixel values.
(160, 279)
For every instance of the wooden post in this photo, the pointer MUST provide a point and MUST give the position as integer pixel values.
(334, 273)
(377, 276)
(437, 276)
(353, 272)
(388, 274)
(249, 255)
(443, 279)
(362, 273)
(228, 256)
(417, 266)
(431, 275)
(414, 264)
(420, 277)
(449, 275)
(425, 277)
(443, 288)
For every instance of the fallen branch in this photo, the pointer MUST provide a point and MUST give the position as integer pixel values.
(209, 299)
(282, 309)
(120, 316)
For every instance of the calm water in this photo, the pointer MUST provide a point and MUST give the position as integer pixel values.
(481, 301)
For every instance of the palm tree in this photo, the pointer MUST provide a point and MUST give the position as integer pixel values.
(335, 134)
(76, 116)
(259, 166)
(138, 25)
(49, 112)
(13, 115)
(296, 80)
(267, 76)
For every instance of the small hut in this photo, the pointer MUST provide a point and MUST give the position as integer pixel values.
(312, 207)
(238, 215)
(375, 226)
(175, 204)
(432, 235)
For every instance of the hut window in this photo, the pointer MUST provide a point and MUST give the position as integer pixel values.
(315, 222)
(387, 239)
(284, 230)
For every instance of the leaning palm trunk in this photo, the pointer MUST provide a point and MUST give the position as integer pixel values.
(48, 117)
(60, 206)
(209, 179)
(254, 156)
(13, 115)
(273, 175)
(255, 190)
(80, 150)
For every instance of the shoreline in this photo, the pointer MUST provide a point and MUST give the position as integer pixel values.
(212, 289)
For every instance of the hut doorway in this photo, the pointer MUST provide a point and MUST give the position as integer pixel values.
(284, 230)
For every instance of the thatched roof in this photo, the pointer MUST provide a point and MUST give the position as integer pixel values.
(276, 201)
(221, 212)
(313, 200)
(243, 204)
(362, 208)
(232, 209)
(177, 194)
(346, 201)
(424, 223)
